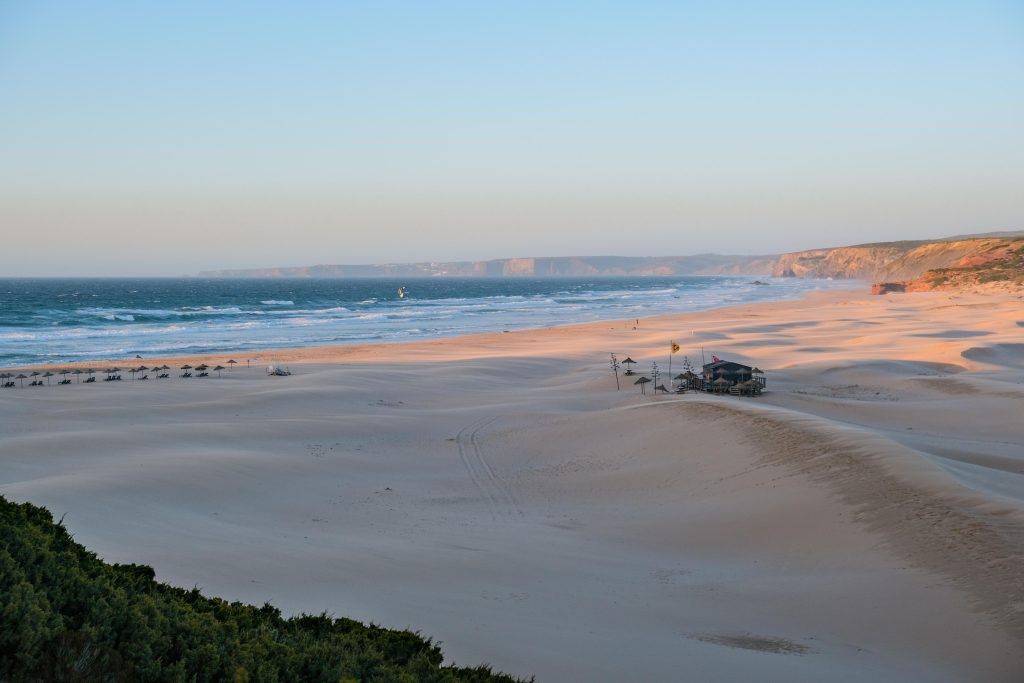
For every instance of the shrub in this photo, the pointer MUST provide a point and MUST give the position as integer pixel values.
(67, 615)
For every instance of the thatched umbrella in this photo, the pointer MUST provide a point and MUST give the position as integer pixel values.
(643, 384)
(47, 375)
(231, 364)
(720, 383)
(77, 372)
(186, 366)
(35, 373)
(218, 369)
(22, 376)
(628, 362)
(133, 371)
(748, 386)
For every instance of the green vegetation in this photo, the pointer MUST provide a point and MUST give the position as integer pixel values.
(65, 615)
(1006, 265)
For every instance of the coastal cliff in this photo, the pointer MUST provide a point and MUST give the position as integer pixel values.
(884, 262)
(971, 264)
(569, 266)
(892, 261)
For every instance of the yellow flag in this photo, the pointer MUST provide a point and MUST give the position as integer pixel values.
(675, 347)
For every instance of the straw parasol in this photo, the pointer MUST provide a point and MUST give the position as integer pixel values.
(721, 382)
(35, 373)
(22, 376)
(186, 366)
(47, 375)
(231, 364)
(218, 369)
(643, 382)
(628, 362)
(77, 373)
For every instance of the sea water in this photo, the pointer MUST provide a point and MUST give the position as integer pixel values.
(79, 320)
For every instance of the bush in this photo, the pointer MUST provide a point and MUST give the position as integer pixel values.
(65, 615)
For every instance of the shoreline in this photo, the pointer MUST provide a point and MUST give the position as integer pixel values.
(328, 353)
(496, 492)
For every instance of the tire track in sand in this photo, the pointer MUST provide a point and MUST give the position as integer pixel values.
(500, 499)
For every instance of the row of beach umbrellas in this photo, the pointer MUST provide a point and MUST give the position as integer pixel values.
(8, 376)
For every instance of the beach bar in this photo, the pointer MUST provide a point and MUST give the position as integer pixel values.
(727, 376)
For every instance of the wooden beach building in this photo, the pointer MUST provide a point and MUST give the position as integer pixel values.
(727, 376)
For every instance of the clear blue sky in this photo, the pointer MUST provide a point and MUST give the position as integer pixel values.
(161, 138)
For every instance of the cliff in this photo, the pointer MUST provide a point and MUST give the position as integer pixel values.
(889, 262)
(569, 266)
(990, 263)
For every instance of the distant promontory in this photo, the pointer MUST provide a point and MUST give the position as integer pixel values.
(877, 262)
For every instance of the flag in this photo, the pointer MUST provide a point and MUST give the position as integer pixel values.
(675, 347)
(714, 359)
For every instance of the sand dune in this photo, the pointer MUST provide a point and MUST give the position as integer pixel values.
(863, 519)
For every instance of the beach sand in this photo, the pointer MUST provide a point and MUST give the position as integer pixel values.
(863, 520)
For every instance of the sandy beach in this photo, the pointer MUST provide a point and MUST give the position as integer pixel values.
(863, 519)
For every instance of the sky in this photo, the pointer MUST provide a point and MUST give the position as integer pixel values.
(166, 138)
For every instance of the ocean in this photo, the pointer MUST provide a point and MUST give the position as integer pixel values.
(53, 321)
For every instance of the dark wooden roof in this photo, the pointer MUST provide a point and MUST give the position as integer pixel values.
(728, 365)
